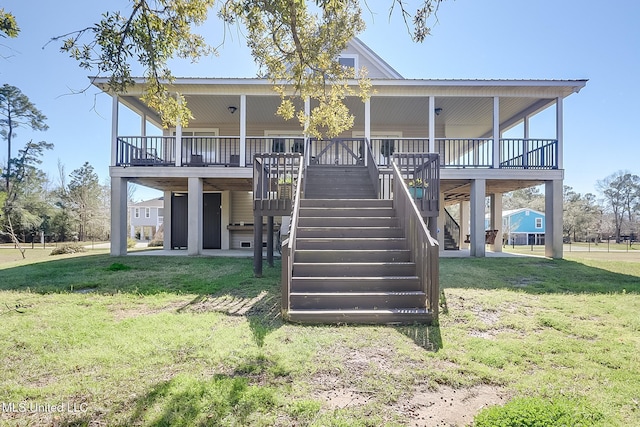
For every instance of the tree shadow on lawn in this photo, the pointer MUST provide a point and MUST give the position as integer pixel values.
(224, 285)
(536, 276)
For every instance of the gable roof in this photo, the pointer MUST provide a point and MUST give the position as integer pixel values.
(377, 67)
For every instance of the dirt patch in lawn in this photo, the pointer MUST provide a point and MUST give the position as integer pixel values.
(449, 406)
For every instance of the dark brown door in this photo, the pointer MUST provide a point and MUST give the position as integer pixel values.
(211, 221)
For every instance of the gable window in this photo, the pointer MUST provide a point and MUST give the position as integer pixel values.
(349, 61)
(538, 222)
(136, 212)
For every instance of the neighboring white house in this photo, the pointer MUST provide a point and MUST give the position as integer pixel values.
(145, 218)
(206, 173)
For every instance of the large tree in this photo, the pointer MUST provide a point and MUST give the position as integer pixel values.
(84, 196)
(581, 213)
(296, 43)
(17, 111)
(8, 25)
(621, 192)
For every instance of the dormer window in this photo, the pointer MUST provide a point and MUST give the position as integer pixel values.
(349, 61)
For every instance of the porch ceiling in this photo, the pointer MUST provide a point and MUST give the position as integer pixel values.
(208, 184)
(460, 190)
(459, 117)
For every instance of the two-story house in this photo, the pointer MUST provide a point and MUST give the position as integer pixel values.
(145, 218)
(207, 171)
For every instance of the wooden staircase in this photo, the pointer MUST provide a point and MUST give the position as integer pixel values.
(352, 263)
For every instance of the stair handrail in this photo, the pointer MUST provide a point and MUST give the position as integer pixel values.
(423, 247)
(452, 224)
(288, 246)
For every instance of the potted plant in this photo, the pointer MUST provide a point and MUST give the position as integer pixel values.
(416, 187)
(285, 187)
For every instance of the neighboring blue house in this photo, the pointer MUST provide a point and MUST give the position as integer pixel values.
(522, 227)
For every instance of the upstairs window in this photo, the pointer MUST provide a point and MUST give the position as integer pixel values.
(136, 212)
(349, 61)
(538, 222)
(147, 212)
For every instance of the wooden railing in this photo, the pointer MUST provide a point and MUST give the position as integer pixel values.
(454, 228)
(424, 248)
(226, 151)
(274, 181)
(421, 173)
(288, 246)
(272, 144)
(529, 153)
(210, 151)
(337, 151)
(145, 151)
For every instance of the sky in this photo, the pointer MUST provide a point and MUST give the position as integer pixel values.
(472, 39)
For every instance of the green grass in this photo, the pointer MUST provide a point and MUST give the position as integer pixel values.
(151, 341)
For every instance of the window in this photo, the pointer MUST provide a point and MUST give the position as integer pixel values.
(136, 212)
(349, 61)
(538, 222)
(147, 212)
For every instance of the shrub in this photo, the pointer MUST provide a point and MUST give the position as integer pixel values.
(131, 243)
(538, 412)
(155, 243)
(68, 248)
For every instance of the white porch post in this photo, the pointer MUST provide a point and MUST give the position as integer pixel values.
(179, 140)
(114, 129)
(194, 220)
(132, 231)
(496, 220)
(432, 125)
(118, 216)
(225, 219)
(478, 195)
(560, 132)
(167, 221)
(464, 224)
(367, 126)
(243, 130)
(553, 219)
(496, 132)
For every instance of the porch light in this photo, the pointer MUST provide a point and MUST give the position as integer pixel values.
(232, 109)
(438, 111)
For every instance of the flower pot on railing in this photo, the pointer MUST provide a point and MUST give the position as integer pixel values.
(416, 188)
(416, 192)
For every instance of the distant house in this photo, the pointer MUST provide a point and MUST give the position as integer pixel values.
(523, 227)
(145, 218)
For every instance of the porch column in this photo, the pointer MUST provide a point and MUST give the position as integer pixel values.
(496, 219)
(257, 245)
(432, 124)
(478, 195)
(179, 140)
(225, 220)
(496, 133)
(194, 220)
(441, 223)
(132, 231)
(367, 126)
(243, 130)
(560, 132)
(270, 241)
(114, 129)
(464, 224)
(167, 221)
(118, 216)
(553, 218)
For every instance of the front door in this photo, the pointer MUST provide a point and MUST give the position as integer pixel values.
(211, 221)
(179, 221)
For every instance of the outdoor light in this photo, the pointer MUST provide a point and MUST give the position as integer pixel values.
(438, 111)
(232, 109)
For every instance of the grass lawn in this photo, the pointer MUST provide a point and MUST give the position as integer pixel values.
(91, 339)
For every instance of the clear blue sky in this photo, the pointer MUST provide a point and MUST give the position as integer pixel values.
(491, 39)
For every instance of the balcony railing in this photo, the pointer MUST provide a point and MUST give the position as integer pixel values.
(459, 153)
